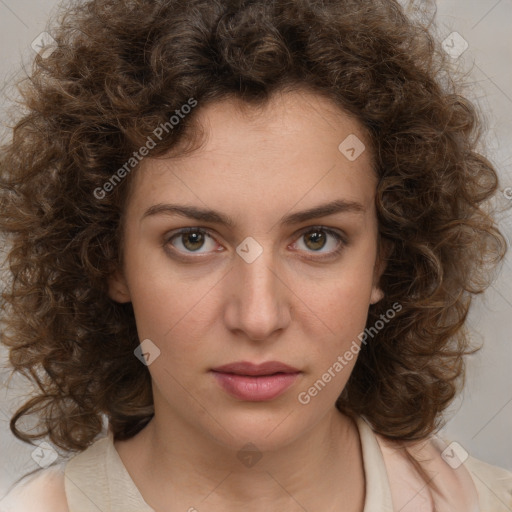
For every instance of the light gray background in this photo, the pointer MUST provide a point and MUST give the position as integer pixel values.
(481, 418)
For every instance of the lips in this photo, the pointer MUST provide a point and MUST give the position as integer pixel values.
(255, 382)
(251, 369)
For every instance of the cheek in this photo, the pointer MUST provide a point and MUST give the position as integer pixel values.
(168, 309)
(342, 303)
(156, 298)
(346, 298)
(174, 306)
(344, 309)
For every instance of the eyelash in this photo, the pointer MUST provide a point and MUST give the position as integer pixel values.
(342, 242)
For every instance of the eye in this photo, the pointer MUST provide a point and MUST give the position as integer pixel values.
(191, 239)
(316, 238)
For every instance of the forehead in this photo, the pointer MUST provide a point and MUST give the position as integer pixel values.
(299, 117)
(298, 146)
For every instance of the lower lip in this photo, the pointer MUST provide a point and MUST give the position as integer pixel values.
(255, 389)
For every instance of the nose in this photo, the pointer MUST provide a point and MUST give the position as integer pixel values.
(259, 298)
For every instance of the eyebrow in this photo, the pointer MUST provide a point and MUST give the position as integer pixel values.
(207, 215)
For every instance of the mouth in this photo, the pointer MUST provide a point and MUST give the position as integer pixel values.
(255, 370)
(255, 383)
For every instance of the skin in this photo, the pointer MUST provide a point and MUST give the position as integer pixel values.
(210, 307)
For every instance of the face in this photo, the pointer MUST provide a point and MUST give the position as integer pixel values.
(259, 280)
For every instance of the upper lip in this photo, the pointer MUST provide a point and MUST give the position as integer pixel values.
(247, 368)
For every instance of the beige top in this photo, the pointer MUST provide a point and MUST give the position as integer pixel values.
(424, 477)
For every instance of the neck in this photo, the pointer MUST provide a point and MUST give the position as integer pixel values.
(175, 463)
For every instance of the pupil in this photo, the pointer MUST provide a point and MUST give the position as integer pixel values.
(196, 239)
(316, 236)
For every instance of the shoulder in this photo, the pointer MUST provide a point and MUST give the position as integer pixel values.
(48, 490)
(493, 483)
(449, 473)
(41, 492)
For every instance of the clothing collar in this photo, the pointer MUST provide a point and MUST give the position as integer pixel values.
(378, 492)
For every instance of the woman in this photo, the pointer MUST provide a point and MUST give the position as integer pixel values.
(246, 235)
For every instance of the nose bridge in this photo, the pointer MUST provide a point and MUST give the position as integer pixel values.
(256, 265)
(258, 289)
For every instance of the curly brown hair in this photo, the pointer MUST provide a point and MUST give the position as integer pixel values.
(119, 70)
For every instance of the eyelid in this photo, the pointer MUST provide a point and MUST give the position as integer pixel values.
(320, 227)
(339, 235)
